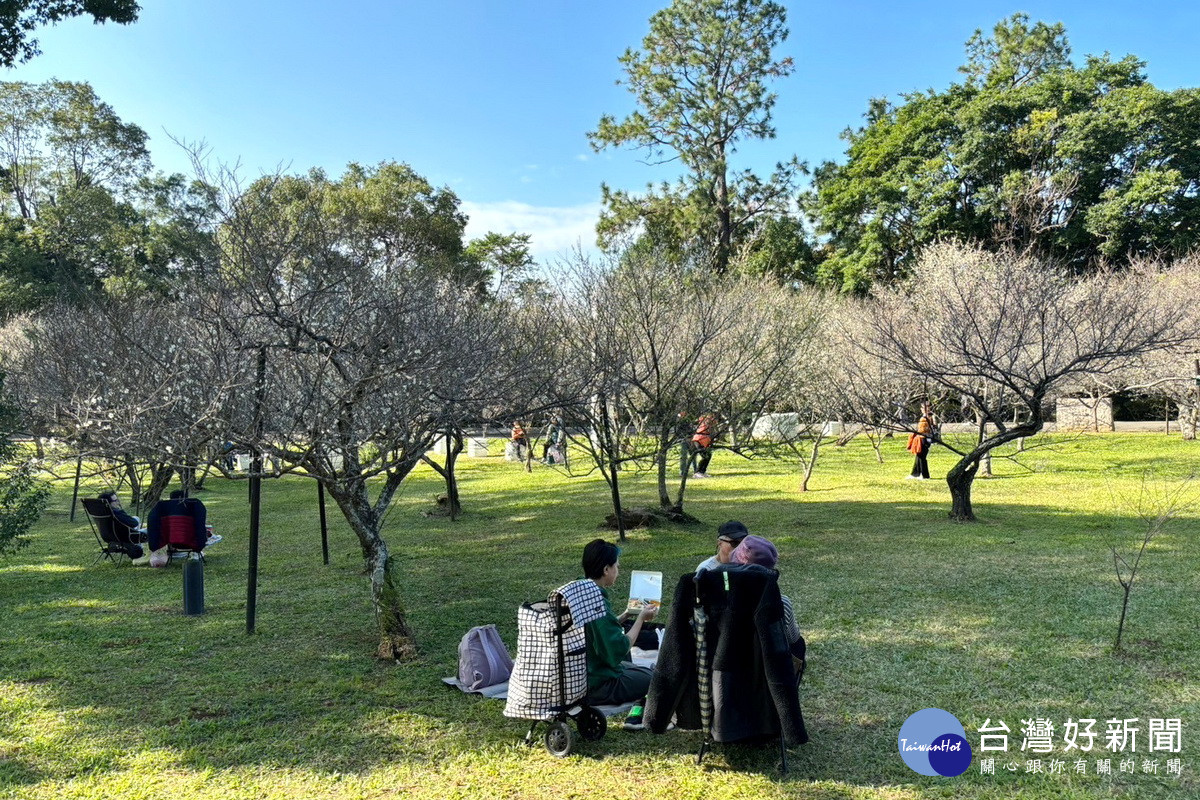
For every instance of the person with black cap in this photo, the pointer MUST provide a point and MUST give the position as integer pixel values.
(612, 678)
(729, 536)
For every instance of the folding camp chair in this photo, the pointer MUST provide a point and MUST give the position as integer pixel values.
(105, 527)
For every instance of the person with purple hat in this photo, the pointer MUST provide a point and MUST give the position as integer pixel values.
(757, 550)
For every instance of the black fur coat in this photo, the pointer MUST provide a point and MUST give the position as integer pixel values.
(752, 692)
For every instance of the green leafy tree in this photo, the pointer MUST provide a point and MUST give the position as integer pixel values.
(22, 496)
(1084, 164)
(80, 211)
(502, 259)
(390, 219)
(700, 81)
(20, 18)
(779, 248)
(26, 274)
(59, 136)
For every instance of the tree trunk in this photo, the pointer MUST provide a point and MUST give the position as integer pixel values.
(609, 451)
(135, 482)
(611, 476)
(962, 475)
(454, 446)
(848, 433)
(199, 482)
(812, 461)
(664, 495)
(1194, 411)
(959, 479)
(615, 486)
(674, 509)
(187, 478)
(1124, 611)
(395, 636)
(160, 479)
(875, 437)
(396, 640)
(724, 218)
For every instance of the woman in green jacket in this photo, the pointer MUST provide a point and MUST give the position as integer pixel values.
(612, 678)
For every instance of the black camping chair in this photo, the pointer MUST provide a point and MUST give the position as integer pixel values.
(105, 526)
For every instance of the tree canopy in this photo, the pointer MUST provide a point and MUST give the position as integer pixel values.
(80, 209)
(1085, 164)
(18, 19)
(700, 81)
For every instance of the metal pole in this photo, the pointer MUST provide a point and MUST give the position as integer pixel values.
(75, 494)
(324, 526)
(255, 490)
(252, 569)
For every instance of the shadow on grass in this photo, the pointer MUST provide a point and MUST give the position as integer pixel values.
(902, 609)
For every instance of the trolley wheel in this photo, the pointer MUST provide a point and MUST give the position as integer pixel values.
(558, 739)
(592, 724)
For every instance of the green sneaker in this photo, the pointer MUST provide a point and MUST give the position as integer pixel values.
(635, 720)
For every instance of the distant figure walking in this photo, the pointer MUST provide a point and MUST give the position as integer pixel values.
(702, 441)
(920, 442)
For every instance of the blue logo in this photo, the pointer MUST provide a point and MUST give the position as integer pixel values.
(933, 742)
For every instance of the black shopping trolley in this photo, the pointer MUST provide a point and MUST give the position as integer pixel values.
(549, 677)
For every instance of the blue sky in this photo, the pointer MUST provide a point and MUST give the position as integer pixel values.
(494, 98)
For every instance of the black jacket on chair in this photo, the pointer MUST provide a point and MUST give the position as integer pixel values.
(753, 687)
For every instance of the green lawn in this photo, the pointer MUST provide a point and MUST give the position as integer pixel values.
(107, 691)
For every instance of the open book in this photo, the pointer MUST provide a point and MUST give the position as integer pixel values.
(645, 589)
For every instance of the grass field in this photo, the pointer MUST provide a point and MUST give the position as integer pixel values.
(107, 691)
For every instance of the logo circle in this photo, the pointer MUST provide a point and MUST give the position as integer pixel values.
(933, 742)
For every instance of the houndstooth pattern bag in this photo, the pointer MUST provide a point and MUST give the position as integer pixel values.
(533, 691)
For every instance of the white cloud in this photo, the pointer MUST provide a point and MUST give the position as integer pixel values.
(583, 157)
(554, 231)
